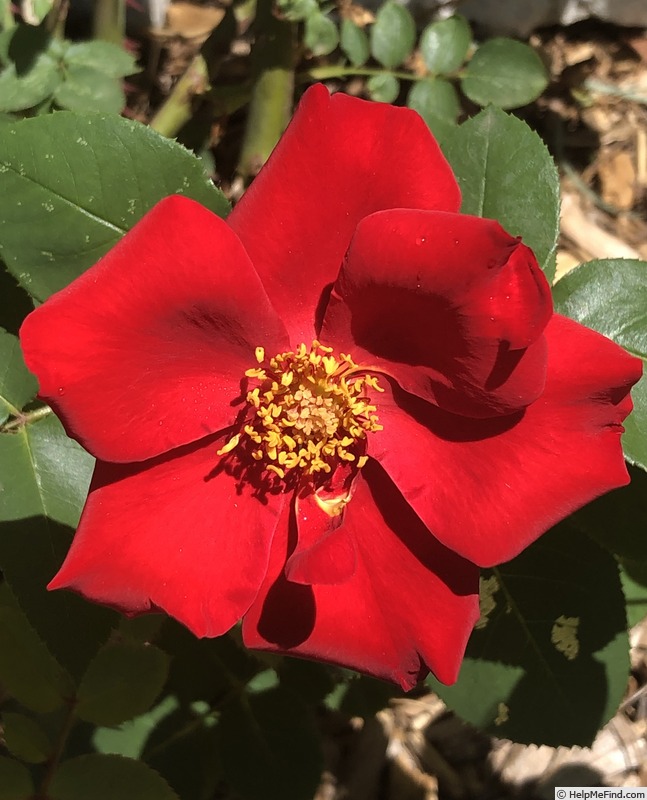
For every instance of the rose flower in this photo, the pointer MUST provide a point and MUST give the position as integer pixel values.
(324, 414)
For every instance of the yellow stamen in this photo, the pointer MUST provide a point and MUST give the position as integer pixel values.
(308, 410)
(233, 442)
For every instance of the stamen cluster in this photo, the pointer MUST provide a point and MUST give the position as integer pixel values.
(308, 411)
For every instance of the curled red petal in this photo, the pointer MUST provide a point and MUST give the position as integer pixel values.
(146, 350)
(489, 488)
(325, 551)
(409, 607)
(174, 533)
(449, 305)
(339, 160)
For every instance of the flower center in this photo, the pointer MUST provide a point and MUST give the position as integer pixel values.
(307, 413)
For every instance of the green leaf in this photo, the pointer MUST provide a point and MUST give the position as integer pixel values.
(20, 91)
(35, 11)
(71, 185)
(25, 738)
(506, 173)
(28, 671)
(122, 682)
(15, 780)
(105, 57)
(435, 99)
(383, 88)
(275, 732)
(31, 71)
(22, 44)
(45, 476)
(618, 519)
(610, 296)
(17, 385)
(506, 73)
(444, 44)
(354, 43)
(190, 763)
(142, 629)
(392, 35)
(634, 585)
(321, 35)
(87, 89)
(309, 679)
(548, 661)
(365, 696)
(108, 777)
(297, 10)
(204, 667)
(130, 738)
(15, 303)
(44, 473)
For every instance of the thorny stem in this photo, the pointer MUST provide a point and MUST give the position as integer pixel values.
(20, 419)
(271, 101)
(178, 108)
(109, 23)
(57, 752)
(56, 18)
(344, 70)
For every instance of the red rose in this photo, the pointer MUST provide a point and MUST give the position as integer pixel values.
(321, 415)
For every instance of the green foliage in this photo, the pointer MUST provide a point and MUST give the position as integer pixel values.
(506, 73)
(275, 731)
(15, 780)
(17, 384)
(23, 90)
(363, 696)
(86, 180)
(506, 173)
(27, 670)
(610, 296)
(102, 57)
(45, 481)
(354, 43)
(121, 682)
(548, 660)
(81, 77)
(444, 45)
(502, 72)
(35, 11)
(618, 520)
(107, 777)
(633, 575)
(393, 34)
(383, 88)
(321, 35)
(25, 738)
(436, 101)
(47, 473)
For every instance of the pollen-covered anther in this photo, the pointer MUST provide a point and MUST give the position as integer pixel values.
(308, 411)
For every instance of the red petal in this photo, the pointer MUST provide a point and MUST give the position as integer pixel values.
(339, 160)
(176, 534)
(488, 488)
(409, 607)
(325, 551)
(449, 305)
(146, 350)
